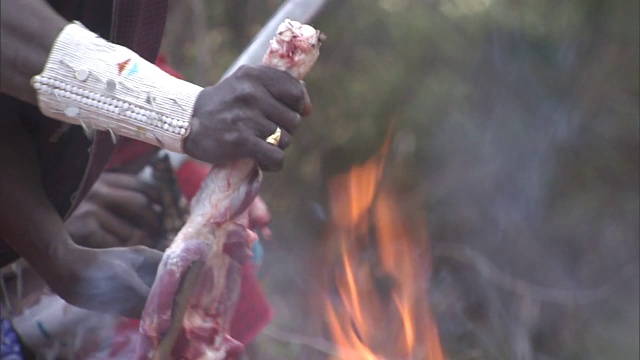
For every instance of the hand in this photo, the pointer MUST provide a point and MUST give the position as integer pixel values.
(119, 210)
(232, 119)
(115, 280)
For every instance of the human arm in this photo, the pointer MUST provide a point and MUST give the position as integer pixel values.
(225, 122)
(28, 29)
(120, 210)
(230, 122)
(111, 280)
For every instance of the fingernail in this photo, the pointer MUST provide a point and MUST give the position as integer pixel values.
(307, 110)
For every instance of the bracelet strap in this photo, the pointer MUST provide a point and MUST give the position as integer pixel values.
(91, 82)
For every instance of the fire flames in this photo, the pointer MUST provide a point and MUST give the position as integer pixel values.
(379, 308)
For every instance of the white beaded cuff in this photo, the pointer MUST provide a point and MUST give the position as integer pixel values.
(91, 82)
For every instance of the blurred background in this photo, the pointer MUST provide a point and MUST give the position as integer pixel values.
(514, 143)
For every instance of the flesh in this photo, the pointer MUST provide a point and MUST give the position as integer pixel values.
(188, 312)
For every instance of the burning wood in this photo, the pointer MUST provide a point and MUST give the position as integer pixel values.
(192, 300)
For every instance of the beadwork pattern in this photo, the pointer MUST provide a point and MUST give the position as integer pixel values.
(99, 85)
(110, 104)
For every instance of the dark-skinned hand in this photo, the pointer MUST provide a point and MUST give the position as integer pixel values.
(232, 119)
(119, 210)
(114, 280)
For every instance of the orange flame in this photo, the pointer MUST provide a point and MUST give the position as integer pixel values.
(366, 321)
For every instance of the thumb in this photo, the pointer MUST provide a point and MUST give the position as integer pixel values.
(145, 262)
(140, 293)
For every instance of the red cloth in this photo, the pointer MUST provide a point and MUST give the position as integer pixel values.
(163, 64)
(253, 311)
(190, 175)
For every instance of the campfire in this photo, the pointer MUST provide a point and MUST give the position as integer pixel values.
(377, 304)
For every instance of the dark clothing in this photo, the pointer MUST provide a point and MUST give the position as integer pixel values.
(69, 161)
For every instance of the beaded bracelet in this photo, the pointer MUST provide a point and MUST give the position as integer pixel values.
(90, 82)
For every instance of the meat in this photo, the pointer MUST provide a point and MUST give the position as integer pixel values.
(191, 302)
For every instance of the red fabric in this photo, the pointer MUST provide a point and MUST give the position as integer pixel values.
(127, 151)
(162, 63)
(253, 311)
(190, 175)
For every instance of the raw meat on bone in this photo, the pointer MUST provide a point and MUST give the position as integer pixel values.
(191, 302)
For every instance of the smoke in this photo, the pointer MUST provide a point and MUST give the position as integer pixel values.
(533, 189)
(517, 131)
(53, 329)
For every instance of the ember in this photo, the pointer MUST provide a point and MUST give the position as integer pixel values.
(382, 309)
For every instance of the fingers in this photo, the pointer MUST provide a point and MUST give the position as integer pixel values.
(116, 227)
(145, 262)
(281, 115)
(140, 292)
(232, 119)
(123, 232)
(104, 280)
(132, 205)
(115, 280)
(281, 86)
(101, 240)
(134, 183)
(269, 157)
(267, 128)
(285, 101)
(307, 108)
(85, 229)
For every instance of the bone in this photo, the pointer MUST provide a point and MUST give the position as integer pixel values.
(193, 297)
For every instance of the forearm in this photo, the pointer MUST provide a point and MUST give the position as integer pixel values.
(76, 77)
(28, 29)
(29, 223)
(91, 82)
